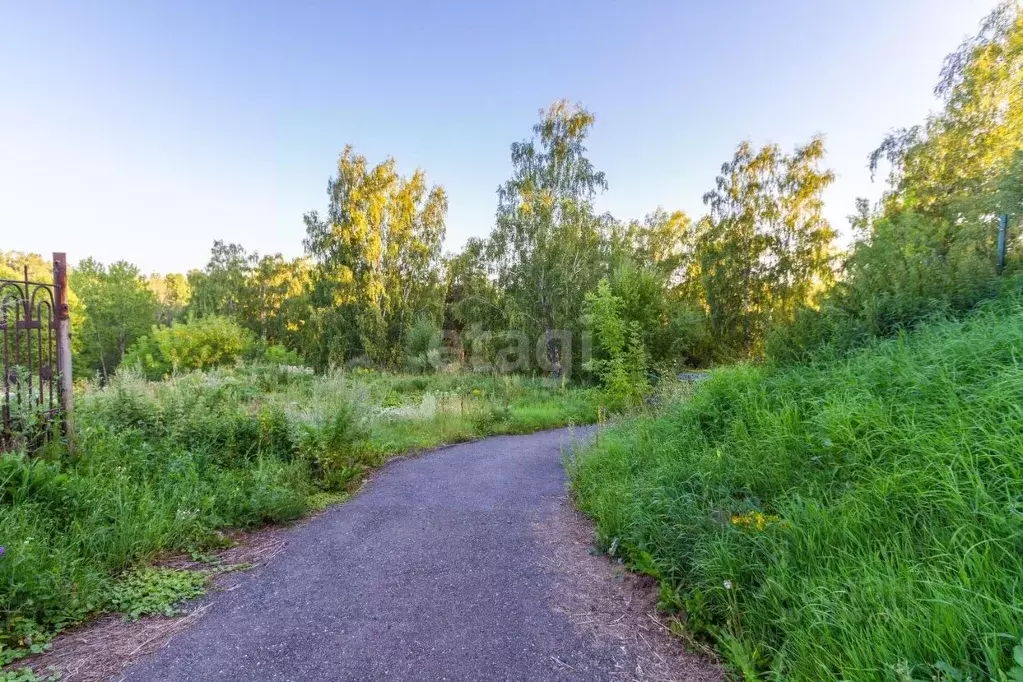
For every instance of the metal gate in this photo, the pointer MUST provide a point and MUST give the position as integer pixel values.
(33, 316)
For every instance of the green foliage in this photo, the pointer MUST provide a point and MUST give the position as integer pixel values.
(147, 591)
(950, 168)
(930, 247)
(201, 343)
(423, 347)
(766, 249)
(274, 355)
(25, 675)
(545, 248)
(622, 369)
(218, 289)
(119, 308)
(377, 262)
(335, 443)
(854, 520)
(267, 295)
(172, 293)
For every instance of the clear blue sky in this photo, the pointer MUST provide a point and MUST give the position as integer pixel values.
(144, 130)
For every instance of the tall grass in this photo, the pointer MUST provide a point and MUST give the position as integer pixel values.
(162, 466)
(857, 520)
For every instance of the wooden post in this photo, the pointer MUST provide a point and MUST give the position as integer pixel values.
(63, 315)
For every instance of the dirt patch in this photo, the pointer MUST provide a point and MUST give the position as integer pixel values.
(101, 648)
(614, 605)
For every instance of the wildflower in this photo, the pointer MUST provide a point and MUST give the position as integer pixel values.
(2, 551)
(728, 584)
(754, 520)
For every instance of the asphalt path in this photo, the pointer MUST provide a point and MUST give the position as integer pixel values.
(433, 571)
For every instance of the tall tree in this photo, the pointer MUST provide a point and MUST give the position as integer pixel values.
(119, 308)
(274, 298)
(930, 245)
(377, 260)
(546, 246)
(766, 248)
(172, 295)
(950, 167)
(220, 287)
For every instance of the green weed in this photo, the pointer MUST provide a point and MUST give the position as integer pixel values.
(149, 591)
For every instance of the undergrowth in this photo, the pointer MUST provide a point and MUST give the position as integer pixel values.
(858, 519)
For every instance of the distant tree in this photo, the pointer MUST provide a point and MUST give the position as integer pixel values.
(172, 296)
(663, 240)
(219, 288)
(546, 249)
(119, 308)
(765, 249)
(473, 310)
(274, 298)
(376, 257)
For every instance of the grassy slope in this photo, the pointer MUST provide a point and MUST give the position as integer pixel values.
(162, 465)
(860, 520)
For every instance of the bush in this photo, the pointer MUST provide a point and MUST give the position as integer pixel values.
(909, 269)
(202, 343)
(336, 443)
(855, 519)
(621, 367)
(423, 346)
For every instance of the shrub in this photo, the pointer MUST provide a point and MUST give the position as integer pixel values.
(622, 369)
(906, 270)
(202, 343)
(423, 346)
(335, 444)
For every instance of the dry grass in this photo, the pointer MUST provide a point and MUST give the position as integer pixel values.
(616, 607)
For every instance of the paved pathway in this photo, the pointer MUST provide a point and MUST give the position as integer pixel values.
(433, 572)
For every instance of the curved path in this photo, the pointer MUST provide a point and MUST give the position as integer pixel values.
(434, 571)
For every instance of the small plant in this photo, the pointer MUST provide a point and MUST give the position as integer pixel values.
(25, 675)
(1015, 673)
(623, 369)
(335, 444)
(156, 590)
(486, 417)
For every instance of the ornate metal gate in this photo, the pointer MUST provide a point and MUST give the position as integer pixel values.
(31, 314)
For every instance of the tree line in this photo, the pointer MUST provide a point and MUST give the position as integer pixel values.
(758, 274)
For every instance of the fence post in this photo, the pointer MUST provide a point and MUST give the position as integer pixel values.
(63, 315)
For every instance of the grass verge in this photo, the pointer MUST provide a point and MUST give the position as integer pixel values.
(855, 520)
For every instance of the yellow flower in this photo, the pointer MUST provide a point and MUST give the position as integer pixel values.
(754, 520)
